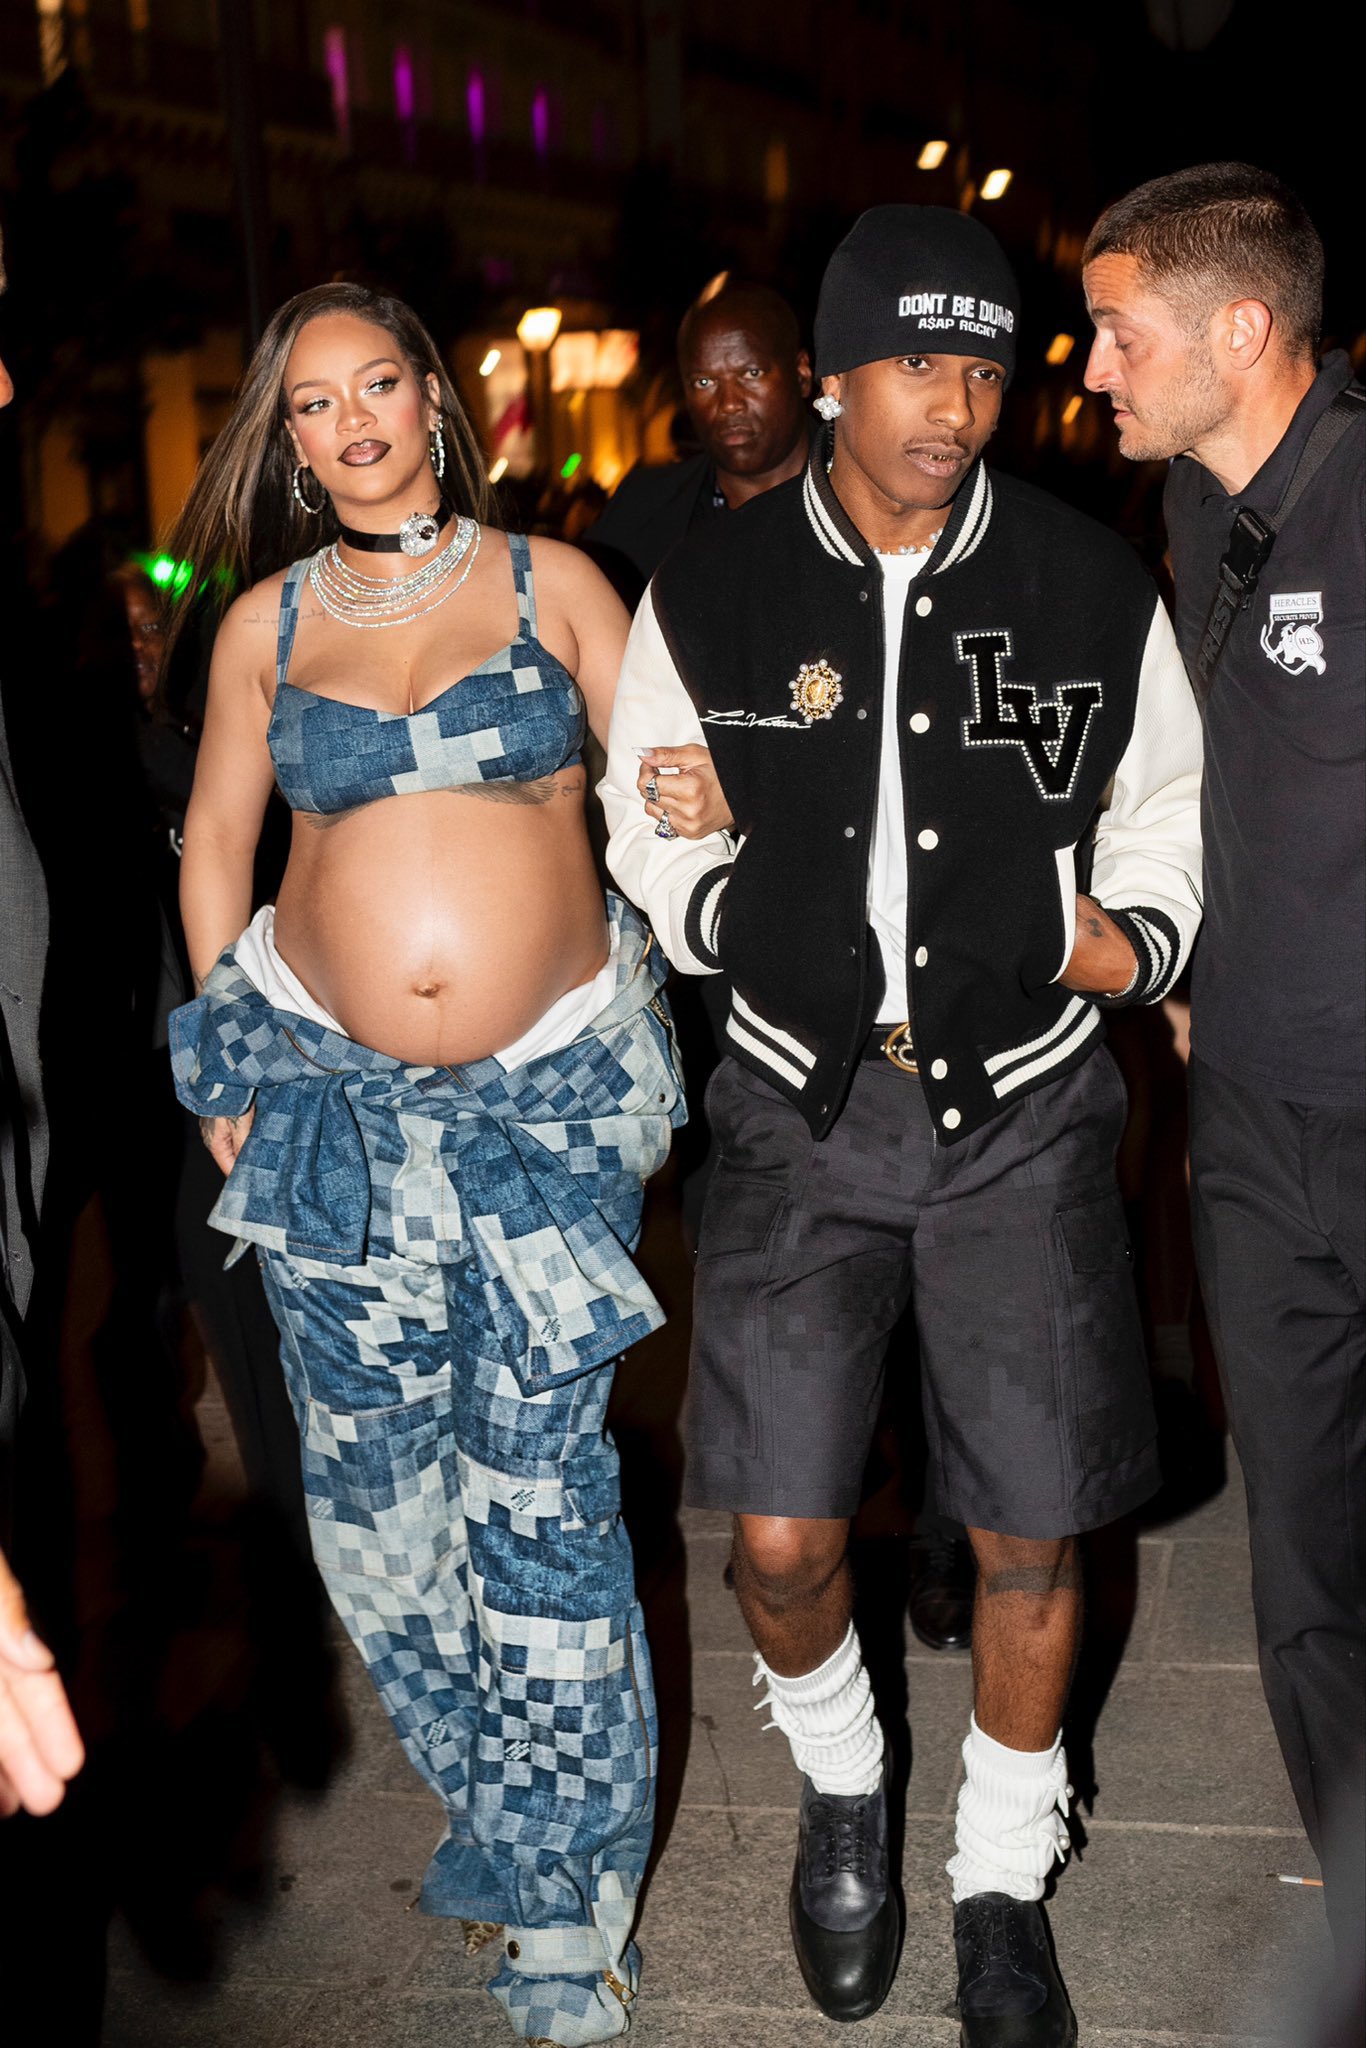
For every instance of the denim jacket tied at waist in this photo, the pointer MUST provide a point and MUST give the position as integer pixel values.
(531, 1180)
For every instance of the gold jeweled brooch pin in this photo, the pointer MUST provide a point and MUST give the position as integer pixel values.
(816, 693)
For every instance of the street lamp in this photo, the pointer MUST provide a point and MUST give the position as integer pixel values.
(536, 330)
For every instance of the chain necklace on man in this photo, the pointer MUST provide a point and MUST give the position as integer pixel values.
(373, 602)
(924, 550)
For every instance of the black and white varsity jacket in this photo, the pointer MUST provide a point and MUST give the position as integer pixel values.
(1039, 679)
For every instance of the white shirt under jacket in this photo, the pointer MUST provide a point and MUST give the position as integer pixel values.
(1147, 839)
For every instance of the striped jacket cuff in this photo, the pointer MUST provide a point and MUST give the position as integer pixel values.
(1157, 945)
(702, 918)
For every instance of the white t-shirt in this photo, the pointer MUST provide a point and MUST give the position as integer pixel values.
(887, 861)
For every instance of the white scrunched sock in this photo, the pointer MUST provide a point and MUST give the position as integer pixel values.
(1011, 1827)
(827, 1717)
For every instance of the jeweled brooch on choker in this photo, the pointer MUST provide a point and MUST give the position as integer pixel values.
(816, 693)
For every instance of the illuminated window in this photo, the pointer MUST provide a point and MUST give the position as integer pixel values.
(540, 121)
(476, 106)
(405, 99)
(51, 39)
(338, 69)
(139, 16)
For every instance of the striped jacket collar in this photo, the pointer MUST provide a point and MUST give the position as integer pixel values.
(963, 533)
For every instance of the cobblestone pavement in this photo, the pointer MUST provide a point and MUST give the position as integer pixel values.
(1171, 1927)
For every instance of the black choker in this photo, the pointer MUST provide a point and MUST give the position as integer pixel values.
(418, 534)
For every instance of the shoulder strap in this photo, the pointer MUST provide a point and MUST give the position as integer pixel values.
(519, 547)
(1251, 539)
(289, 619)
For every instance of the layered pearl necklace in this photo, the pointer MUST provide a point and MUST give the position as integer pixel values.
(372, 602)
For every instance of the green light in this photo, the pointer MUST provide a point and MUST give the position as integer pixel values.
(167, 573)
(570, 467)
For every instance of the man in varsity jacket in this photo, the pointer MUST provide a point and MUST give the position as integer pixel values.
(918, 682)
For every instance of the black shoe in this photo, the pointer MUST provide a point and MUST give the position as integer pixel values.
(1009, 1992)
(846, 1928)
(942, 1591)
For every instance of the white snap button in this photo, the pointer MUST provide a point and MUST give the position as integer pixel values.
(922, 956)
(862, 714)
(924, 606)
(951, 1119)
(919, 722)
(848, 831)
(928, 839)
(940, 1070)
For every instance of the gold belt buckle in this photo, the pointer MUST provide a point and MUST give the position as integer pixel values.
(897, 1047)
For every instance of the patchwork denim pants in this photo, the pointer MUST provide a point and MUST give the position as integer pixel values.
(470, 1539)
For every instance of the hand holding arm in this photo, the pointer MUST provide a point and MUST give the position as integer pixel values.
(40, 1748)
(688, 785)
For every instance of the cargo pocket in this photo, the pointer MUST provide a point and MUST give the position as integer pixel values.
(1111, 1401)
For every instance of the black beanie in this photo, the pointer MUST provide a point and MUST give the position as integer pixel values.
(916, 280)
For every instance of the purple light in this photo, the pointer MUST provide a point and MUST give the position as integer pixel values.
(475, 105)
(334, 59)
(540, 121)
(404, 98)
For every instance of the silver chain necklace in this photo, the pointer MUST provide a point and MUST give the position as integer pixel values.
(374, 602)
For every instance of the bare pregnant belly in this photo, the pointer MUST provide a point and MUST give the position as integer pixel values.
(438, 927)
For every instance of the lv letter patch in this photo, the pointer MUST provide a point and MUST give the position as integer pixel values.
(1049, 727)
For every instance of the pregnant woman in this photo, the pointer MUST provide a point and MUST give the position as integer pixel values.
(437, 1072)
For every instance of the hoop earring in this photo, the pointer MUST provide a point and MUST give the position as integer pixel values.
(302, 470)
(438, 451)
(828, 406)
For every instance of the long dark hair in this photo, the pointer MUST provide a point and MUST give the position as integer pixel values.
(241, 520)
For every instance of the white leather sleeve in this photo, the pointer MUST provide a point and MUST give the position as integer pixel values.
(1147, 852)
(678, 883)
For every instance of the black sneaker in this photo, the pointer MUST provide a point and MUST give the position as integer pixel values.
(1009, 1992)
(943, 1589)
(846, 1928)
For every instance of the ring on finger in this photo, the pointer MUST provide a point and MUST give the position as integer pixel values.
(665, 828)
(651, 791)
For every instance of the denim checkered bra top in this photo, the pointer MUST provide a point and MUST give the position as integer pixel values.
(517, 717)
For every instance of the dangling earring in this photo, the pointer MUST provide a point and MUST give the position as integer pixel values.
(438, 451)
(827, 406)
(302, 470)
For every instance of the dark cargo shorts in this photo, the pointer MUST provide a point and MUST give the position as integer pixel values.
(1010, 1246)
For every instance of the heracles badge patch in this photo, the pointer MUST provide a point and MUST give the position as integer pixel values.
(1291, 636)
(1048, 725)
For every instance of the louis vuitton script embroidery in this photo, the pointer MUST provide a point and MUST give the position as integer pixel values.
(817, 693)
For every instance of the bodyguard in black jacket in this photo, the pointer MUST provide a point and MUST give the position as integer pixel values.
(1206, 289)
(916, 684)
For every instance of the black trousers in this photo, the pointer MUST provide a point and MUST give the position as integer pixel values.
(1280, 1241)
